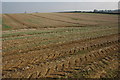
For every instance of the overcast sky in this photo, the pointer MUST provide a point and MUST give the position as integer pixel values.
(60, 0)
(44, 7)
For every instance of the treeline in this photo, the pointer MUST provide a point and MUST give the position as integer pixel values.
(106, 11)
(96, 11)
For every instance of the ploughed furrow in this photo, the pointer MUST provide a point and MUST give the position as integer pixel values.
(66, 19)
(102, 19)
(74, 17)
(54, 53)
(60, 46)
(93, 65)
(68, 49)
(6, 36)
(31, 43)
(56, 20)
(106, 68)
(54, 56)
(7, 21)
(49, 65)
(18, 21)
(79, 42)
(82, 20)
(56, 67)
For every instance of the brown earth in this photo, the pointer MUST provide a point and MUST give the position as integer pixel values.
(59, 45)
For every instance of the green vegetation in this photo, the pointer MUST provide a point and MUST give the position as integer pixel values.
(82, 52)
(0, 21)
(32, 21)
(6, 27)
(55, 47)
(60, 31)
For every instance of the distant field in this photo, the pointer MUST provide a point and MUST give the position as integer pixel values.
(60, 45)
(55, 20)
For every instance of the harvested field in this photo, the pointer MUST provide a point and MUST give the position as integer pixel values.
(60, 45)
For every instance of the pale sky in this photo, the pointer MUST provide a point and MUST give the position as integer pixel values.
(60, 0)
(20, 6)
(45, 7)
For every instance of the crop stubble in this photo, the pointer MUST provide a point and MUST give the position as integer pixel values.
(60, 45)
